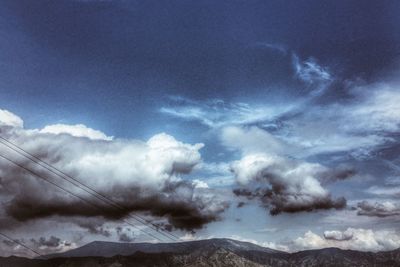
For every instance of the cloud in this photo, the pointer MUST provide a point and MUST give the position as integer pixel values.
(251, 139)
(275, 47)
(392, 181)
(359, 125)
(216, 113)
(8, 248)
(140, 176)
(283, 185)
(41, 245)
(338, 235)
(93, 225)
(51, 242)
(316, 77)
(356, 122)
(378, 111)
(9, 119)
(390, 191)
(78, 130)
(309, 71)
(352, 238)
(267, 173)
(338, 173)
(51, 245)
(125, 234)
(188, 237)
(378, 209)
(199, 184)
(216, 174)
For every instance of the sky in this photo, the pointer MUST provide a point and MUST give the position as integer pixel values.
(273, 122)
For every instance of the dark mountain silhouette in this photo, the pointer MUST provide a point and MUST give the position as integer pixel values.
(211, 252)
(109, 249)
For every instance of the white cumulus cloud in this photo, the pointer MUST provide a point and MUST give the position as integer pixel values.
(78, 130)
(351, 238)
(10, 119)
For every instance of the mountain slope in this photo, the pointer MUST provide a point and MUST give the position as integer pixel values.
(109, 249)
(206, 253)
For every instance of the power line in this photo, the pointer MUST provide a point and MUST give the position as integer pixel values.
(20, 243)
(86, 188)
(71, 193)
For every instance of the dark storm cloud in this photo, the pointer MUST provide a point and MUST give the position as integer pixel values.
(241, 203)
(42, 245)
(124, 237)
(139, 176)
(93, 225)
(340, 173)
(284, 185)
(125, 234)
(9, 243)
(277, 202)
(181, 212)
(49, 245)
(52, 241)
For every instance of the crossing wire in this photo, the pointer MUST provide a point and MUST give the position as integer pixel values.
(73, 194)
(85, 188)
(20, 243)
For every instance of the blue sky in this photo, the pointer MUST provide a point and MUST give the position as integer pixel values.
(283, 112)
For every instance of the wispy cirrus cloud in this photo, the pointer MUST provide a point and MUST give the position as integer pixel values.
(309, 71)
(282, 49)
(358, 125)
(216, 113)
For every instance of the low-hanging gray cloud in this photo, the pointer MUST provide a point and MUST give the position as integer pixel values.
(378, 209)
(52, 241)
(125, 234)
(94, 225)
(42, 245)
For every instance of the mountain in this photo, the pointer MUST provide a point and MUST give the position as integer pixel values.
(109, 249)
(203, 253)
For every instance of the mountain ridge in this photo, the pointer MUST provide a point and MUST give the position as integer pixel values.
(204, 253)
(97, 248)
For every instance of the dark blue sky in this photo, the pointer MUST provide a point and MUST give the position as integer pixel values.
(105, 62)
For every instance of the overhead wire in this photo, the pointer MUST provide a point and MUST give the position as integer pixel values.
(20, 243)
(73, 194)
(14, 147)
